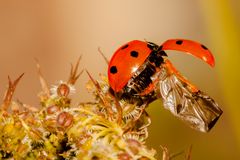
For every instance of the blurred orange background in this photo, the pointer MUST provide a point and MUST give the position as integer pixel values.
(57, 32)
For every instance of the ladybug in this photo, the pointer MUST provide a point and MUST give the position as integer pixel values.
(139, 72)
(124, 67)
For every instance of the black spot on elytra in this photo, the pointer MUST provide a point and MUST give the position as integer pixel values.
(179, 42)
(124, 47)
(134, 54)
(113, 69)
(204, 47)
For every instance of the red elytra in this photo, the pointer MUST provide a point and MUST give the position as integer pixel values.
(129, 57)
(191, 47)
(122, 65)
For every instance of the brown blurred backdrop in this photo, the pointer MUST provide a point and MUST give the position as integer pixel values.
(57, 32)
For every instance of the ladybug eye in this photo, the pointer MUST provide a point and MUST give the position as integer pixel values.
(134, 54)
(113, 69)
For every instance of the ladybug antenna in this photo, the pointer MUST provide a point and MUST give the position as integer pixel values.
(104, 57)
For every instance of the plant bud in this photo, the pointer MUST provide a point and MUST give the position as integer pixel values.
(52, 109)
(64, 119)
(124, 156)
(63, 90)
(133, 145)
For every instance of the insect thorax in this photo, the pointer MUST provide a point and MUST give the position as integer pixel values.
(133, 91)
